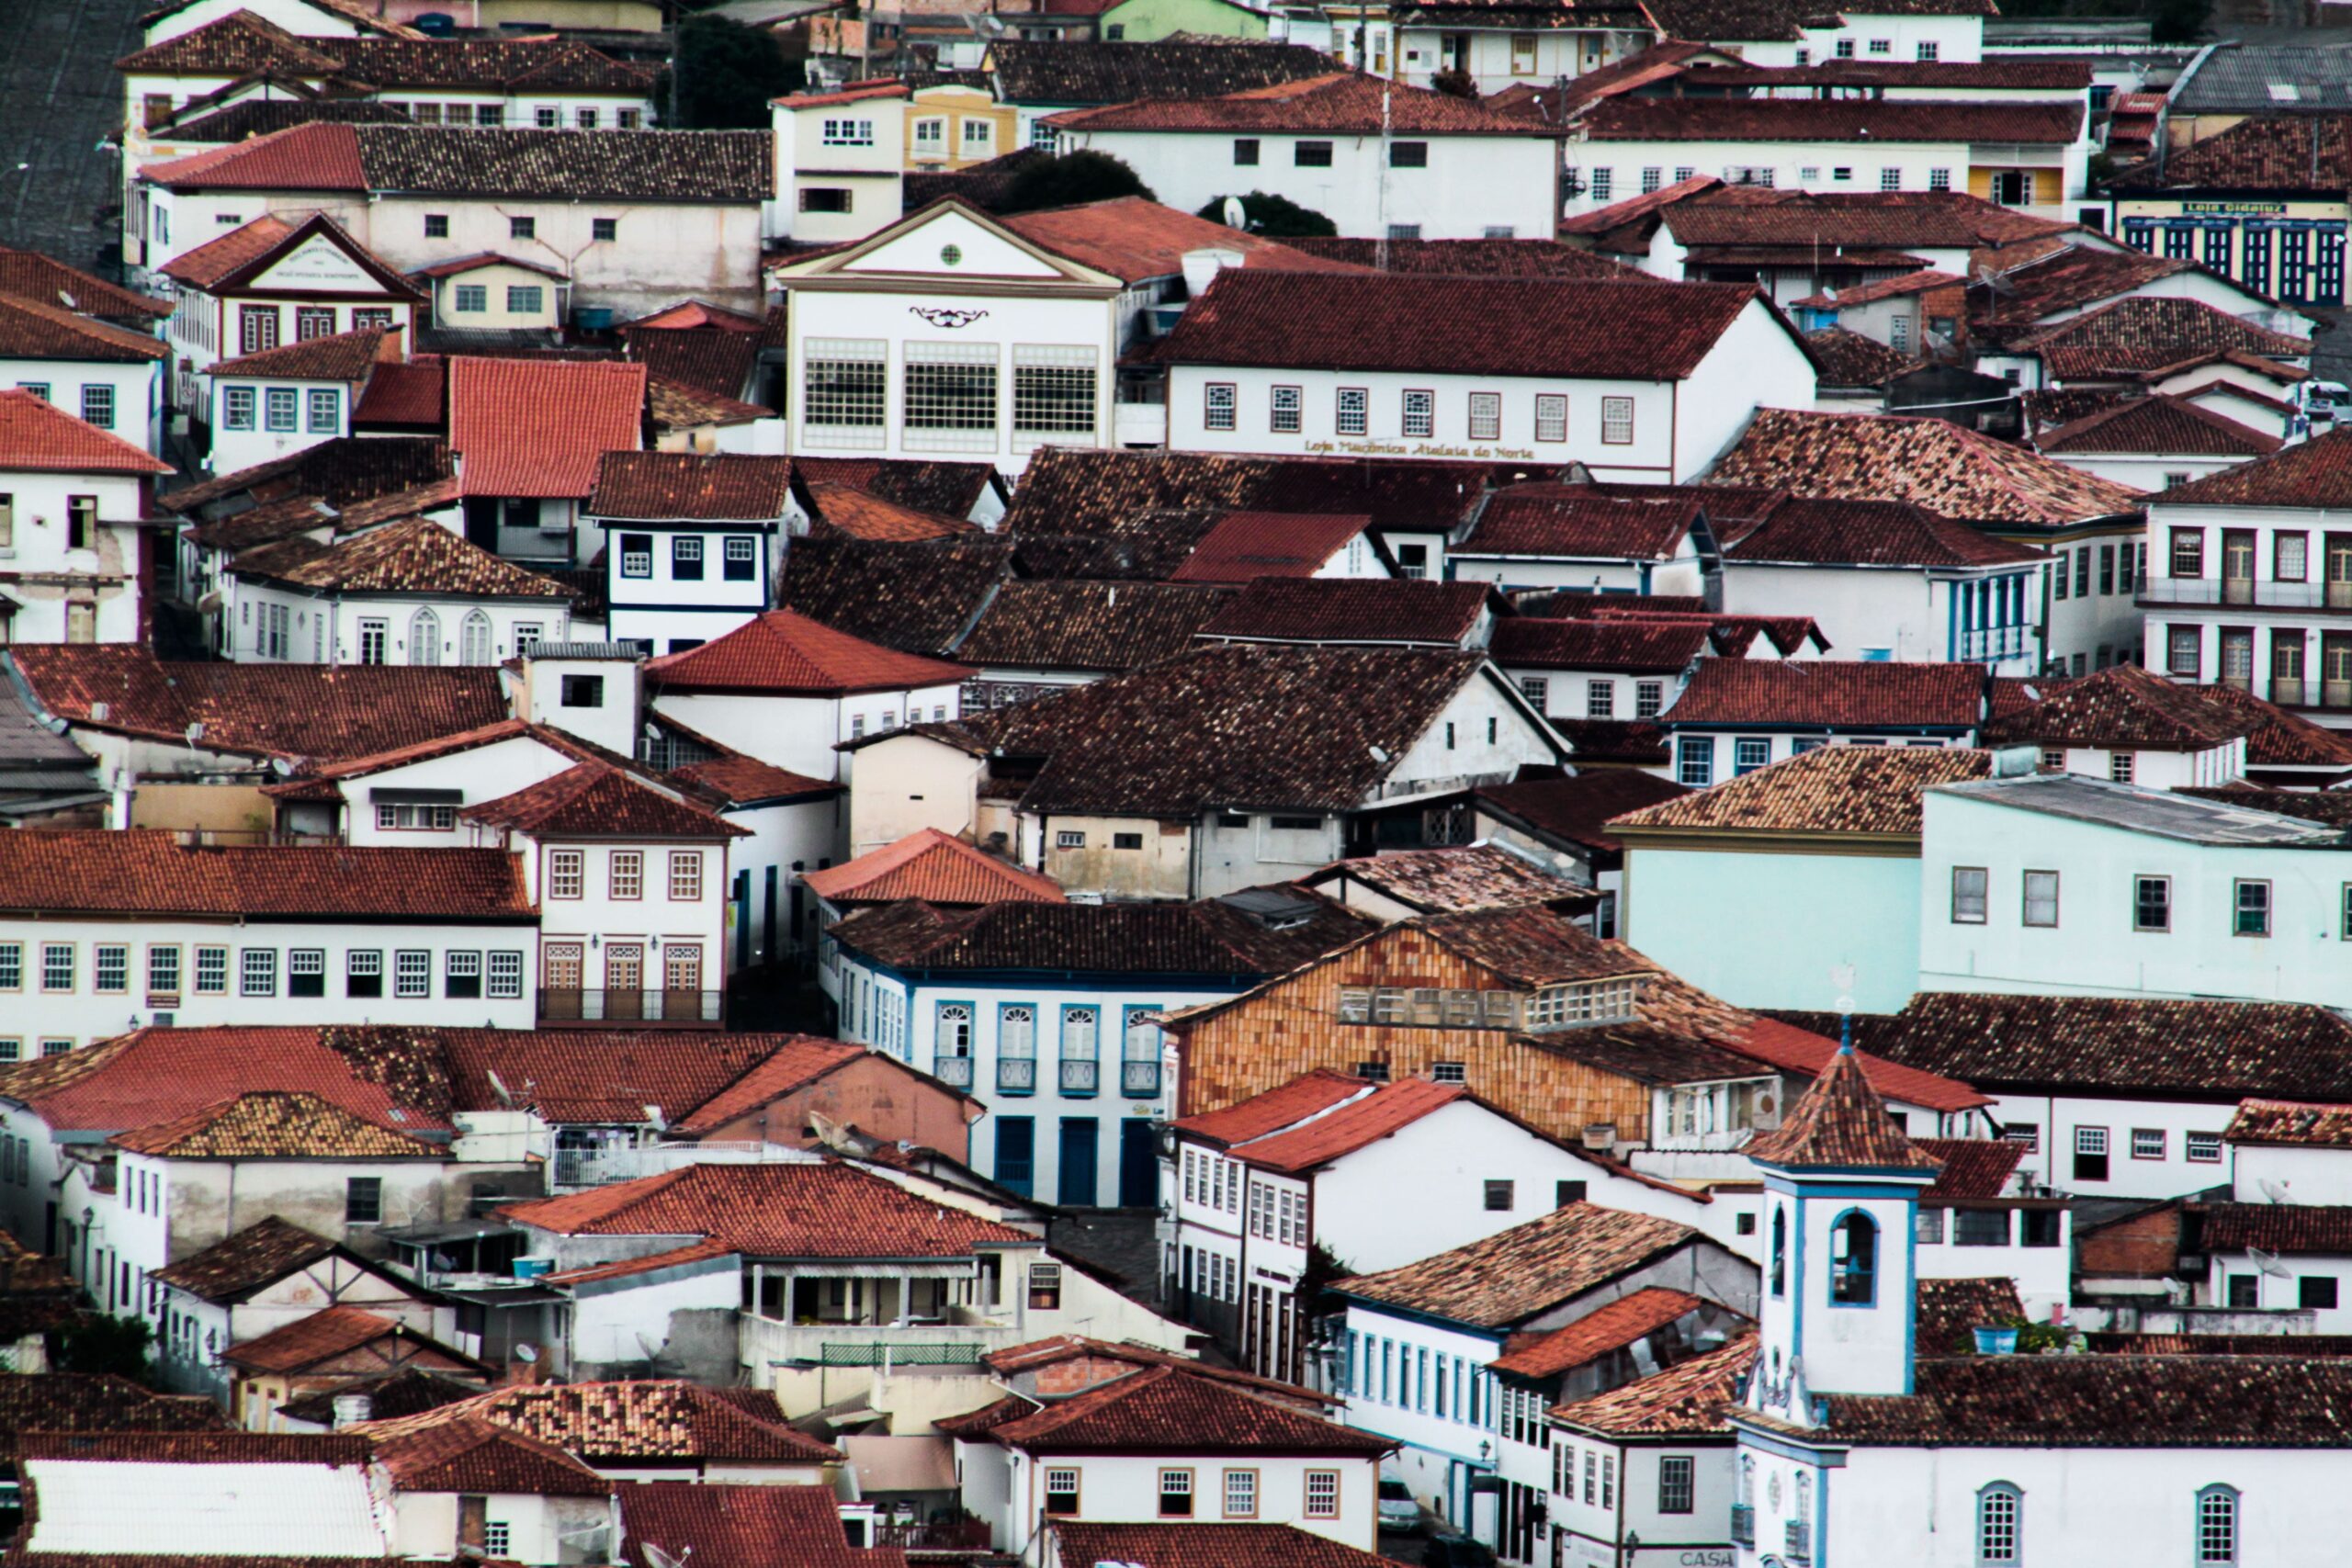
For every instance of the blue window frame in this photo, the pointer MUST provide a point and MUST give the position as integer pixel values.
(1780, 1249)
(1694, 763)
(1016, 1153)
(2000, 1525)
(1421, 1382)
(1016, 1048)
(1853, 1260)
(2217, 1526)
(1082, 1051)
(1139, 1046)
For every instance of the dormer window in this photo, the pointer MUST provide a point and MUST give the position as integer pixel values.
(1587, 1001)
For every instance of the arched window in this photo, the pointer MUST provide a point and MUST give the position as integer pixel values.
(1853, 1259)
(424, 639)
(1780, 1250)
(473, 638)
(2000, 1526)
(2217, 1526)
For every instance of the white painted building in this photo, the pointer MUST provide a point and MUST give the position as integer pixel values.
(692, 541)
(109, 375)
(840, 160)
(1632, 539)
(271, 404)
(76, 548)
(1262, 362)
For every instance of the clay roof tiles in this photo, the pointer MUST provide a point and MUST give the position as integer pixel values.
(345, 469)
(791, 1065)
(242, 43)
(1799, 1050)
(193, 1446)
(96, 1402)
(407, 1392)
(306, 1341)
(30, 275)
(1342, 102)
(2159, 426)
(1190, 1545)
(1781, 19)
(418, 556)
(727, 486)
(1506, 326)
(36, 436)
(2314, 473)
(936, 868)
(860, 515)
(537, 427)
(2296, 1229)
(1134, 238)
(949, 488)
(147, 870)
(1357, 1126)
(1826, 694)
(596, 800)
(1579, 808)
(784, 1526)
(274, 1124)
(2107, 1401)
(1688, 1399)
(1515, 1274)
(1817, 530)
(742, 781)
(608, 1076)
(785, 653)
(1830, 119)
(1207, 937)
(729, 166)
(1840, 1121)
(2123, 705)
(1241, 547)
(1456, 879)
(1643, 646)
(1831, 789)
(2141, 333)
(2272, 153)
(1613, 1328)
(1070, 71)
(917, 597)
(1070, 490)
(1948, 1310)
(1310, 1094)
(1285, 609)
(1109, 626)
(1942, 468)
(470, 1455)
(617, 1422)
(1559, 520)
(1465, 258)
(1969, 1168)
(234, 1266)
(2065, 278)
(1846, 358)
(1165, 1409)
(215, 259)
(249, 117)
(40, 329)
(2292, 1123)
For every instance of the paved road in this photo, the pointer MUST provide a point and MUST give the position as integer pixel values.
(58, 98)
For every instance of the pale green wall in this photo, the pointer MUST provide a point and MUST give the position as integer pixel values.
(1147, 21)
(1764, 930)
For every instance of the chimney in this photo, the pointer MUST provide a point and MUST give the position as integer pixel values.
(1204, 265)
(350, 1409)
(393, 347)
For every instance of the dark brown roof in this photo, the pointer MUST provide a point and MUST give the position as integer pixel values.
(948, 488)
(596, 800)
(623, 1421)
(2065, 278)
(1971, 1168)
(1578, 809)
(2297, 1229)
(2140, 333)
(1072, 489)
(2159, 426)
(235, 1267)
(2125, 706)
(2314, 473)
(1840, 1122)
(2270, 153)
(1946, 1310)
(1343, 103)
(1817, 530)
(91, 1401)
(660, 486)
(1831, 695)
(1090, 626)
(2107, 1401)
(409, 1392)
(1205, 938)
(1165, 1409)
(1517, 1274)
(1847, 358)
(1830, 119)
(1339, 609)
(1467, 258)
(1581, 521)
(1190, 1545)
(2292, 1123)
(915, 597)
(250, 117)
(341, 472)
(731, 166)
(1456, 879)
(1072, 72)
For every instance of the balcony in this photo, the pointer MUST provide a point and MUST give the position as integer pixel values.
(2241, 590)
(631, 1008)
(966, 1534)
(1140, 1080)
(1799, 1542)
(1988, 643)
(1743, 1524)
(1080, 1079)
(956, 1072)
(1016, 1075)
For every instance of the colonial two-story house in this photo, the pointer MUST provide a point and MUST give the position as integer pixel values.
(76, 548)
(692, 541)
(110, 374)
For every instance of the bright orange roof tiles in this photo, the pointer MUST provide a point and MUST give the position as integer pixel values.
(536, 427)
(784, 653)
(936, 868)
(37, 436)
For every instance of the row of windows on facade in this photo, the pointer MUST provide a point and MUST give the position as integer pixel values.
(2132, 558)
(476, 644)
(81, 522)
(1694, 755)
(1548, 1007)
(283, 410)
(98, 401)
(1603, 181)
(259, 326)
(739, 557)
(1078, 1048)
(158, 107)
(522, 299)
(2291, 557)
(466, 971)
(1272, 1213)
(1600, 698)
(948, 394)
(1211, 1274)
(1317, 154)
(2289, 650)
(436, 227)
(889, 721)
(1238, 1487)
(2310, 255)
(2091, 1145)
(2151, 902)
(144, 1191)
(930, 136)
(2217, 1522)
(1417, 414)
(1411, 1378)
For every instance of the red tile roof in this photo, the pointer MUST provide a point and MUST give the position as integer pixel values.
(234, 1266)
(1455, 879)
(1816, 530)
(419, 555)
(1878, 288)
(29, 274)
(1621, 1323)
(659, 486)
(1797, 1049)
(274, 1124)
(792, 1065)
(742, 1527)
(1190, 1545)
(618, 1422)
(316, 156)
(1943, 468)
(784, 653)
(1168, 1410)
(608, 1076)
(1830, 119)
(1385, 1112)
(2292, 1123)
(936, 868)
(344, 356)
(1339, 609)
(329, 1332)
(596, 800)
(36, 329)
(773, 1211)
(2159, 426)
(1971, 1168)
(1843, 358)
(36, 436)
(1513, 1275)
(208, 263)
(2268, 155)
(2314, 473)
(146, 870)
(1344, 103)
(1467, 258)
(1310, 1094)
(1133, 238)
(342, 1449)
(1503, 326)
(1558, 520)
(1245, 545)
(414, 395)
(1826, 694)
(2296, 1229)
(1840, 1121)
(699, 1252)
(1578, 809)
(471, 1456)
(1642, 647)
(2069, 277)
(842, 509)
(1688, 1400)
(2124, 705)
(1831, 789)
(2140, 333)
(537, 427)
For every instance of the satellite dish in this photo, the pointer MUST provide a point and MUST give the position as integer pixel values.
(526, 1354)
(2032, 693)
(2274, 1191)
(1235, 215)
(661, 1558)
(2268, 1263)
(498, 1086)
(67, 295)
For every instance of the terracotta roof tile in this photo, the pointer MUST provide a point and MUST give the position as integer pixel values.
(2159, 426)
(1555, 520)
(1744, 20)
(611, 165)
(1829, 120)
(947, 489)
(312, 156)
(1948, 1310)
(36, 436)
(249, 117)
(593, 800)
(407, 1392)
(1455, 880)
(1942, 468)
(193, 1446)
(1310, 1094)
(537, 427)
(2297, 1229)
(1334, 609)
(1341, 1131)
(1817, 530)
(29, 274)
(1467, 258)
(617, 1422)
(2265, 153)
(1613, 1328)
(1134, 238)
(1686, 1400)
(36, 328)
(1075, 72)
(274, 1124)
(340, 472)
(1060, 1348)
(729, 487)
(673, 405)
(331, 1331)
(606, 1076)
(742, 781)
(1245, 545)
(773, 1211)
(2140, 333)
(2107, 1401)
(474, 1456)
(2065, 278)
(779, 1526)
(2111, 1343)
(150, 872)
(1579, 808)
(1848, 359)
(1070, 490)
(792, 1065)
(2292, 1123)
(550, 64)
(1168, 1410)
(96, 1402)
(1971, 1168)
(1345, 103)
(345, 356)
(1840, 1121)
(419, 555)
(2314, 473)
(1507, 326)
(1109, 626)
(2124, 706)
(861, 516)
(1826, 694)
(933, 866)
(1207, 937)
(242, 43)
(1515, 1274)
(697, 1252)
(785, 653)
(234, 1266)
(1639, 647)
(216, 259)
(1897, 287)
(1190, 1545)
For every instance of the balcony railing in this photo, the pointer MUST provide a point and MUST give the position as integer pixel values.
(956, 1072)
(2269, 596)
(1140, 1080)
(966, 1534)
(1081, 1077)
(693, 1008)
(1016, 1075)
(1743, 1524)
(1799, 1542)
(1995, 642)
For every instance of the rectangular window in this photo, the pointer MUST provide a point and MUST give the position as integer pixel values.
(603, 228)
(1498, 1197)
(845, 386)
(392, 816)
(2311, 1290)
(2252, 916)
(2152, 903)
(1322, 1495)
(1599, 699)
(2204, 1148)
(1675, 1484)
(1616, 422)
(1551, 417)
(1311, 155)
(1408, 154)
(1175, 1493)
(12, 967)
(685, 557)
(522, 228)
(1749, 753)
(462, 975)
(325, 409)
(628, 874)
(363, 1199)
(306, 972)
(1420, 414)
(1604, 184)
(281, 408)
(949, 401)
(212, 971)
(2147, 1142)
(1354, 410)
(523, 298)
(567, 873)
(1245, 152)
(847, 132)
(2042, 897)
(1485, 416)
(1969, 884)
(363, 971)
(162, 977)
(1282, 410)
(2184, 651)
(1694, 762)
(412, 973)
(506, 974)
(741, 560)
(57, 967)
(2189, 552)
(1650, 698)
(1061, 1490)
(97, 406)
(111, 969)
(1219, 401)
(1053, 390)
(258, 972)
(1241, 1493)
(472, 297)
(2090, 1154)
(685, 876)
(237, 408)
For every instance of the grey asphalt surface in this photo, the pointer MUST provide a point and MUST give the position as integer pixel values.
(58, 98)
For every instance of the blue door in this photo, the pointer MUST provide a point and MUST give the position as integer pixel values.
(1016, 1153)
(1077, 1162)
(1138, 1164)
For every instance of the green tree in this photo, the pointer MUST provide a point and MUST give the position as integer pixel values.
(1277, 216)
(1069, 180)
(726, 75)
(96, 1344)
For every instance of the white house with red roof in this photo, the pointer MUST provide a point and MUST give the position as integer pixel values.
(110, 374)
(787, 690)
(1379, 159)
(77, 547)
(276, 402)
(1258, 1186)
(692, 541)
(527, 434)
(952, 333)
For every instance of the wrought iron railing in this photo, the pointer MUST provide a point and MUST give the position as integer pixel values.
(608, 1006)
